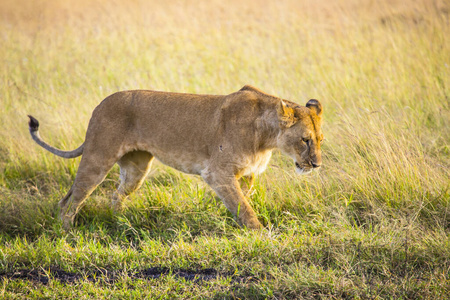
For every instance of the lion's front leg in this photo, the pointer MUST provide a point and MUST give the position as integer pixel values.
(228, 189)
(246, 183)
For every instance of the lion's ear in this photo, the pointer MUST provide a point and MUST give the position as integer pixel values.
(286, 115)
(315, 106)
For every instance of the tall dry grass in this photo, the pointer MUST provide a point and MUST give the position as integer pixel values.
(380, 68)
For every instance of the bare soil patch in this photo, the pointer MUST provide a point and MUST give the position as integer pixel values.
(44, 275)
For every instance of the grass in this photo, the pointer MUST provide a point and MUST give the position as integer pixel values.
(374, 222)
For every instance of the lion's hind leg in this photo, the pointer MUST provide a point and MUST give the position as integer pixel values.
(91, 172)
(134, 167)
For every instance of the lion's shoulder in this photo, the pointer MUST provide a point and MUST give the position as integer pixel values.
(251, 88)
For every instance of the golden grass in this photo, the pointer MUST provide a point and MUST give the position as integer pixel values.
(381, 68)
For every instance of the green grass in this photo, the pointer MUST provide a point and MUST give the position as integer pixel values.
(374, 222)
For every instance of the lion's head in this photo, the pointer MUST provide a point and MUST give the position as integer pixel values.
(301, 135)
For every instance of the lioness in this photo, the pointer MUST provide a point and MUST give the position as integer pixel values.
(224, 139)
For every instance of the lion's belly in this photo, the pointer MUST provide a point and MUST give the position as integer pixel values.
(185, 162)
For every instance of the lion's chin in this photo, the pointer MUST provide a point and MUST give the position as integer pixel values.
(302, 171)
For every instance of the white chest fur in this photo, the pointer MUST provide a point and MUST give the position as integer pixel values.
(258, 163)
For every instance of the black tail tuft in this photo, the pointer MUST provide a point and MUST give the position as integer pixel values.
(33, 123)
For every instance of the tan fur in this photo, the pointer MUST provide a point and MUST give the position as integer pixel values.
(224, 139)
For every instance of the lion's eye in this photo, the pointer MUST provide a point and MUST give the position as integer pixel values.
(305, 140)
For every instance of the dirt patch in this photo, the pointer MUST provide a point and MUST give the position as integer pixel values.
(197, 275)
(44, 275)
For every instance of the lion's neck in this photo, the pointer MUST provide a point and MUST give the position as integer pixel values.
(269, 128)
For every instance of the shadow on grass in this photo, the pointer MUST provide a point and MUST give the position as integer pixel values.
(44, 275)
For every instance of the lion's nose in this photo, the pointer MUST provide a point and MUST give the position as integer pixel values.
(314, 165)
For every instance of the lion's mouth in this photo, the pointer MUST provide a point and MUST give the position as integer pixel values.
(301, 170)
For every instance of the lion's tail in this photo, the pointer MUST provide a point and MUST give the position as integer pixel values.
(34, 127)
